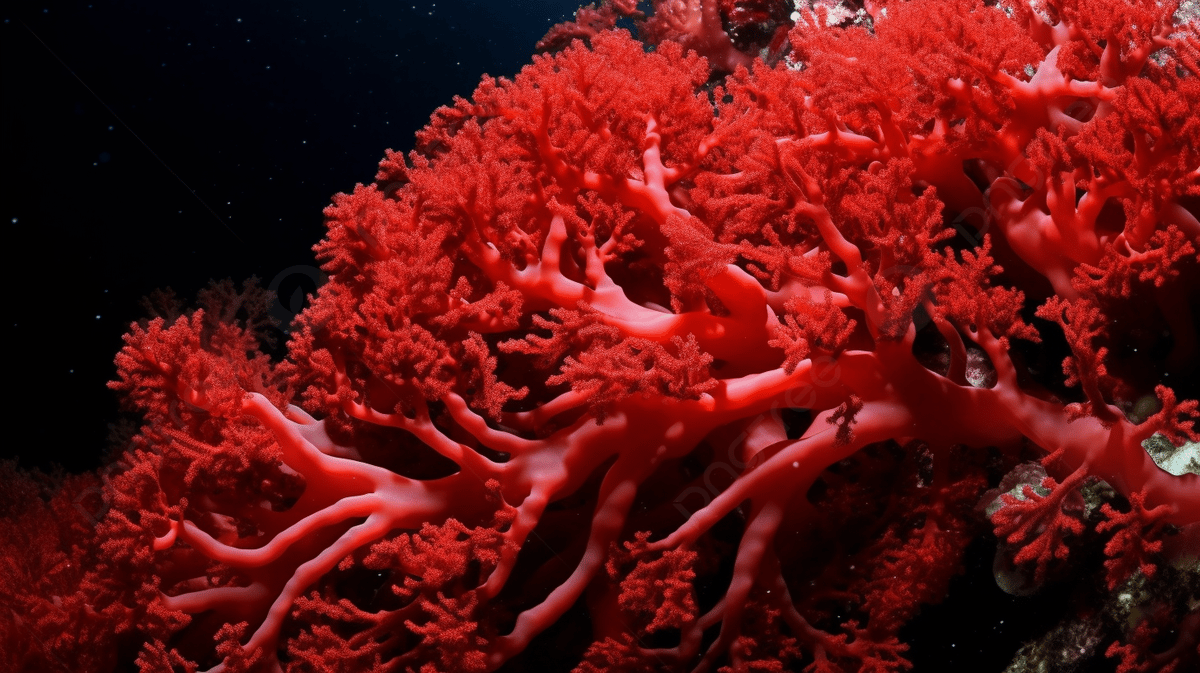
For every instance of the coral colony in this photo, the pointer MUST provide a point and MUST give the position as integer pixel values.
(706, 350)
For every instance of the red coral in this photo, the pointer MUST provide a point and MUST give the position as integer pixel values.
(589, 21)
(580, 308)
(615, 656)
(58, 604)
(660, 588)
(1144, 650)
(768, 650)
(810, 328)
(1038, 522)
(1135, 541)
(452, 635)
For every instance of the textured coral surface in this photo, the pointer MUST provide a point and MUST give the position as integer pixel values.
(711, 348)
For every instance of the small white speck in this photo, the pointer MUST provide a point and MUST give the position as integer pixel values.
(97, 317)
(796, 464)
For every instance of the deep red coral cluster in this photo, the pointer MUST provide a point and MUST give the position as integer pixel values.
(699, 357)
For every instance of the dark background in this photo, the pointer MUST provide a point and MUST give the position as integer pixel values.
(152, 144)
(149, 144)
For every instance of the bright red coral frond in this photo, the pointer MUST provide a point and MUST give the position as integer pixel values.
(1137, 538)
(966, 297)
(1038, 522)
(1176, 420)
(452, 634)
(1083, 323)
(608, 373)
(658, 590)
(811, 328)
